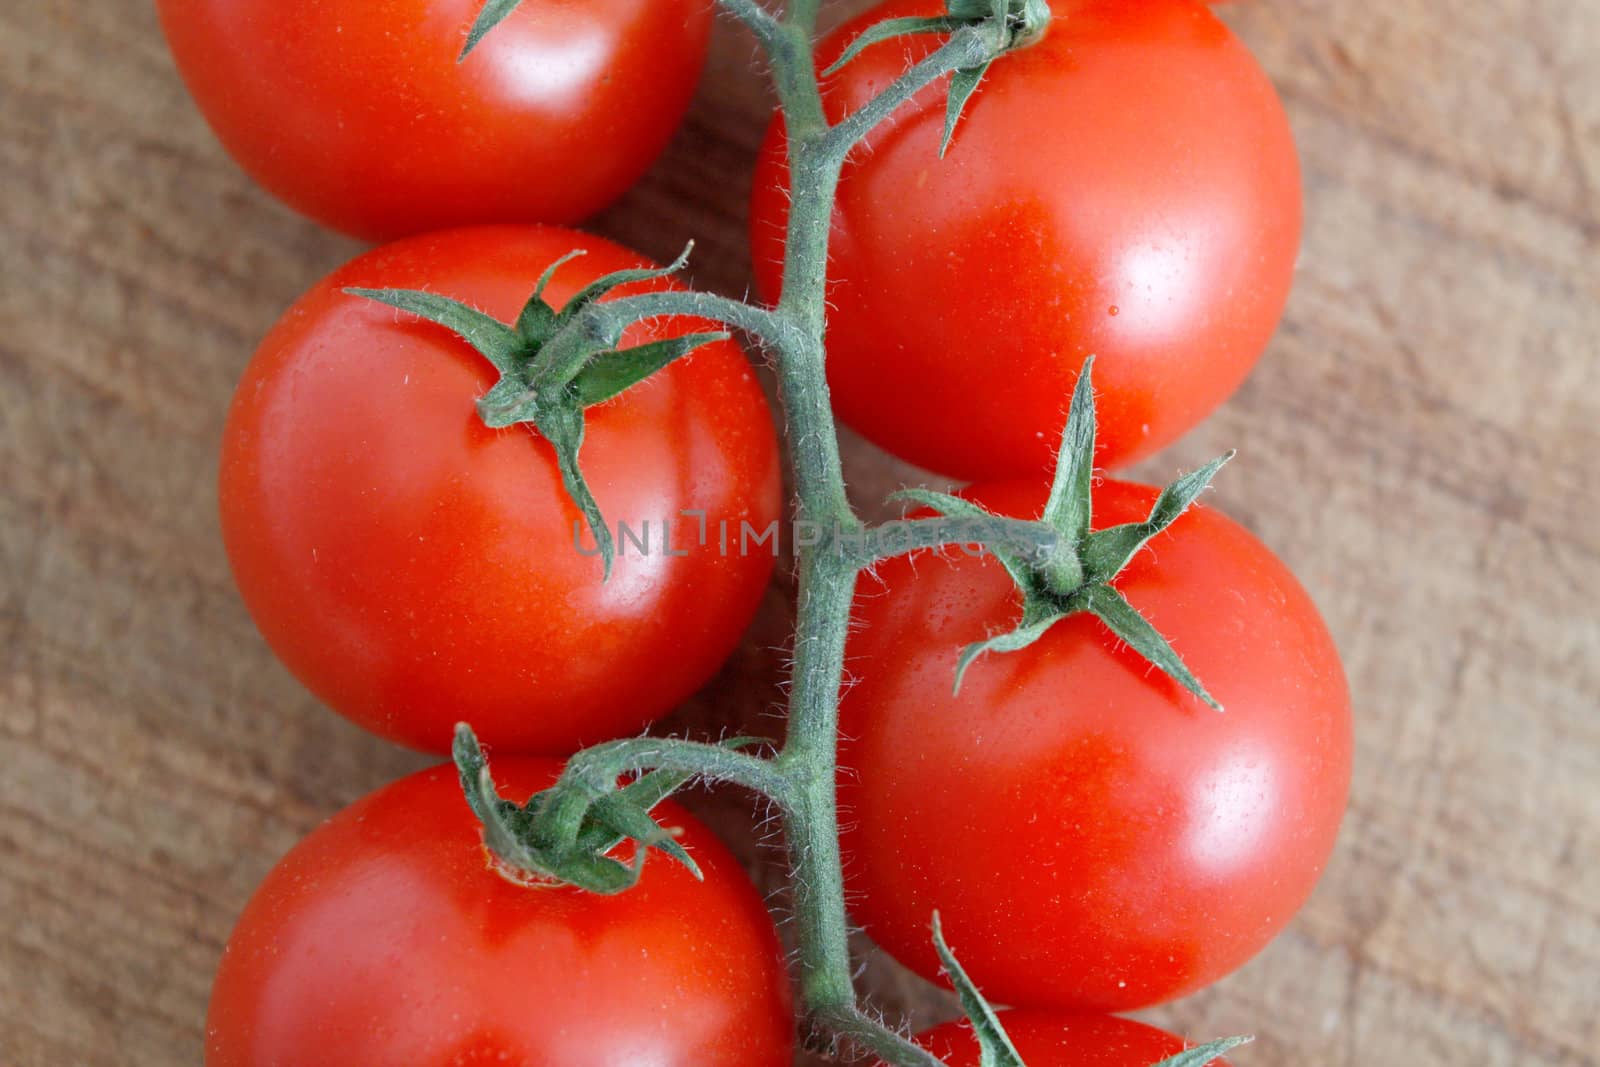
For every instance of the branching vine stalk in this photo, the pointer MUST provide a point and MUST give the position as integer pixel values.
(554, 363)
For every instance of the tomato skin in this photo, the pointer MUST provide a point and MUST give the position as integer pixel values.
(1126, 188)
(386, 939)
(414, 568)
(359, 115)
(1092, 836)
(1060, 1039)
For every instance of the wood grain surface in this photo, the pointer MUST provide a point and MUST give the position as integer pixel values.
(1420, 444)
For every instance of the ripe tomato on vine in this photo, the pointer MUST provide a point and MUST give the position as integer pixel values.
(361, 116)
(1092, 835)
(390, 938)
(1126, 187)
(415, 567)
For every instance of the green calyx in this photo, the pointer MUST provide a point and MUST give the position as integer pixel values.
(490, 15)
(999, 26)
(1201, 1055)
(994, 1044)
(1076, 575)
(554, 364)
(566, 834)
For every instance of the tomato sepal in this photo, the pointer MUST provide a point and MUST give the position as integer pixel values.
(613, 373)
(1070, 505)
(1075, 576)
(516, 836)
(563, 426)
(554, 363)
(1107, 604)
(994, 1043)
(565, 834)
(537, 318)
(888, 30)
(1001, 25)
(490, 15)
(1201, 1055)
(1026, 633)
(963, 83)
(497, 342)
(1107, 551)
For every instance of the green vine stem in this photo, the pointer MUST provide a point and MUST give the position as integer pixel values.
(555, 363)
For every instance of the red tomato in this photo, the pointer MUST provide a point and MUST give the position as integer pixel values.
(1091, 835)
(415, 568)
(1126, 188)
(388, 939)
(1057, 1039)
(359, 115)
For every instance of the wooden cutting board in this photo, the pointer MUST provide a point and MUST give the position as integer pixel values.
(1420, 444)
